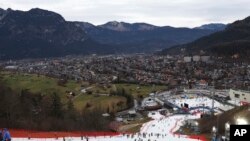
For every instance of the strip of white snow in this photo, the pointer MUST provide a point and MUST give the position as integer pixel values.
(159, 129)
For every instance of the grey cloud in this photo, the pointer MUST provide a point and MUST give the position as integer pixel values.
(159, 12)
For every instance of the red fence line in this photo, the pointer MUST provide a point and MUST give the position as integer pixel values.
(41, 134)
(200, 137)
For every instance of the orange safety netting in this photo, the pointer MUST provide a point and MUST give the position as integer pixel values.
(200, 137)
(43, 134)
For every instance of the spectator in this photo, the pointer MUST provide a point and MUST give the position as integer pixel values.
(6, 135)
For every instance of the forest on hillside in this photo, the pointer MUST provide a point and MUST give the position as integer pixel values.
(30, 111)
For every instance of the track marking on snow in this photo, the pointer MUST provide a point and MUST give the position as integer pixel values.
(172, 129)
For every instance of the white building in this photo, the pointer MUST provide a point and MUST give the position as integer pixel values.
(11, 67)
(205, 58)
(187, 59)
(196, 58)
(241, 96)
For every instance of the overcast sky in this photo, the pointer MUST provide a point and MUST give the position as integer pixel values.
(178, 13)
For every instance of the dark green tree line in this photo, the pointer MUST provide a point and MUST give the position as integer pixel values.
(31, 111)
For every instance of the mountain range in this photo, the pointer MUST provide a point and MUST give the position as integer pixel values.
(143, 37)
(234, 40)
(40, 33)
(212, 26)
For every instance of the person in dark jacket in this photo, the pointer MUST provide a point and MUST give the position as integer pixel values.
(6, 135)
(1, 135)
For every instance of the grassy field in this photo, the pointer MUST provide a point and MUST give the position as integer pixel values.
(134, 89)
(102, 102)
(46, 85)
(38, 84)
(143, 90)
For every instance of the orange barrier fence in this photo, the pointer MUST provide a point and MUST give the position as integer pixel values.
(41, 134)
(200, 137)
(44, 134)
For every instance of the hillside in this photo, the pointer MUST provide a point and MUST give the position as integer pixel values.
(142, 37)
(41, 33)
(213, 26)
(235, 39)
